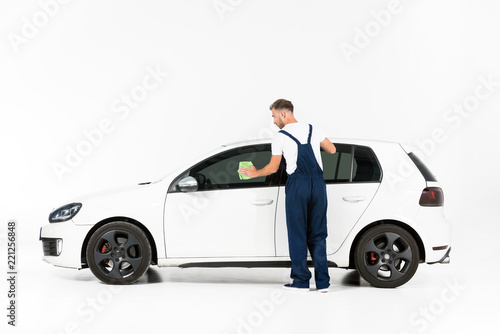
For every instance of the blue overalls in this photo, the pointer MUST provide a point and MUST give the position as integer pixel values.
(306, 205)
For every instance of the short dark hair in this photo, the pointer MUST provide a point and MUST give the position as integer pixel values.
(282, 104)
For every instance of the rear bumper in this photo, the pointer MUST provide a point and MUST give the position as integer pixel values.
(435, 232)
(445, 259)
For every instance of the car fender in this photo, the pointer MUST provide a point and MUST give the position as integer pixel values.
(142, 203)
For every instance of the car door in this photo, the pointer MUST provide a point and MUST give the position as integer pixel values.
(352, 177)
(225, 216)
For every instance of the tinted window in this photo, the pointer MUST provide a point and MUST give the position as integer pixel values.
(365, 166)
(337, 167)
(221, 170)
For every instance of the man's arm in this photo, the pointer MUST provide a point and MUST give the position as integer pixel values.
(328, 146)
(270, 168)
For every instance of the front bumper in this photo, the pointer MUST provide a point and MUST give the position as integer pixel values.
(62, 243)
(51, 246)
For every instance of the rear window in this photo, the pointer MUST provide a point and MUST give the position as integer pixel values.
(426, 173)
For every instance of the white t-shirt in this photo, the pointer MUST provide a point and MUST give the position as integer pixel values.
(282, 144)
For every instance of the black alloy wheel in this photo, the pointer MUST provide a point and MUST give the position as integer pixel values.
(387, 256)
(118, 253)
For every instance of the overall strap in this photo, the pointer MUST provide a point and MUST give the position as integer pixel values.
(310, 133)
(289, 135)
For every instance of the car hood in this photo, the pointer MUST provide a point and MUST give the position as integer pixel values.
(112, 192)
(135, 202)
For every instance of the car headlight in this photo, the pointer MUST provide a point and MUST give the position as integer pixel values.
(64, 213)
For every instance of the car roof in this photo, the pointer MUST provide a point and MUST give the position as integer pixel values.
(353, 141)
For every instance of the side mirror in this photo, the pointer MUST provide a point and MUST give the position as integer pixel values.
(188, 184)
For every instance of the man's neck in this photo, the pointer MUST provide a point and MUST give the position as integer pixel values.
(290, 120)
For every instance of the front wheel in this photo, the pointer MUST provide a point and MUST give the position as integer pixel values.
(118, 253)
(387, 256)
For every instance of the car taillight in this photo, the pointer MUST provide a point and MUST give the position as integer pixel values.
(432, 196)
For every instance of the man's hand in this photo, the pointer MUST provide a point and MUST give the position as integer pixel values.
(251, 172)
(270, 168)
(327, 146)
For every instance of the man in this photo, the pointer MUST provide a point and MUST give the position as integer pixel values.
(306, 200)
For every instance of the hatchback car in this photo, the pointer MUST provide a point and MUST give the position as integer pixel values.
(385, 216)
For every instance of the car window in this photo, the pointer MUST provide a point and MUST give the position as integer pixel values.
(221, 170)
(365, 167)
(337, 166)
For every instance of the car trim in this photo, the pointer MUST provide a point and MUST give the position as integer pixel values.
(422, 167)
(247, 264)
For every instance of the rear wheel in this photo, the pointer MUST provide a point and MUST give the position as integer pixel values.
(118, 253)
(387, 256)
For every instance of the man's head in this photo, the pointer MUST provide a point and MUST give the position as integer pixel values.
(282, 111)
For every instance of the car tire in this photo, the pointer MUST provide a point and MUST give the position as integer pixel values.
(387, 256)
(118, 253)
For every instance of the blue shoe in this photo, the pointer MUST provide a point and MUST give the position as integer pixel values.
(294, 287)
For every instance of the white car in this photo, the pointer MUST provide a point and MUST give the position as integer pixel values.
(385, 216)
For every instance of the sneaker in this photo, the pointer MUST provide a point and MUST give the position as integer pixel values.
(292, 287)
(324, 290)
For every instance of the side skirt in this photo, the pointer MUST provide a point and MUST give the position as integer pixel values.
(231, 263)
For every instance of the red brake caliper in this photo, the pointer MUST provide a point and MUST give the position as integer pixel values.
(105, 249)
(373, 257)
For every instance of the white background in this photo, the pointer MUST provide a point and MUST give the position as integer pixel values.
(66, 68)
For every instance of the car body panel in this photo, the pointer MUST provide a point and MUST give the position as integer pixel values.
(221, 223)
(141, 203)
(346, 204)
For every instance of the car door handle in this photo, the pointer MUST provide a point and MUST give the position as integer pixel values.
(262, 202)
(354, 199)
